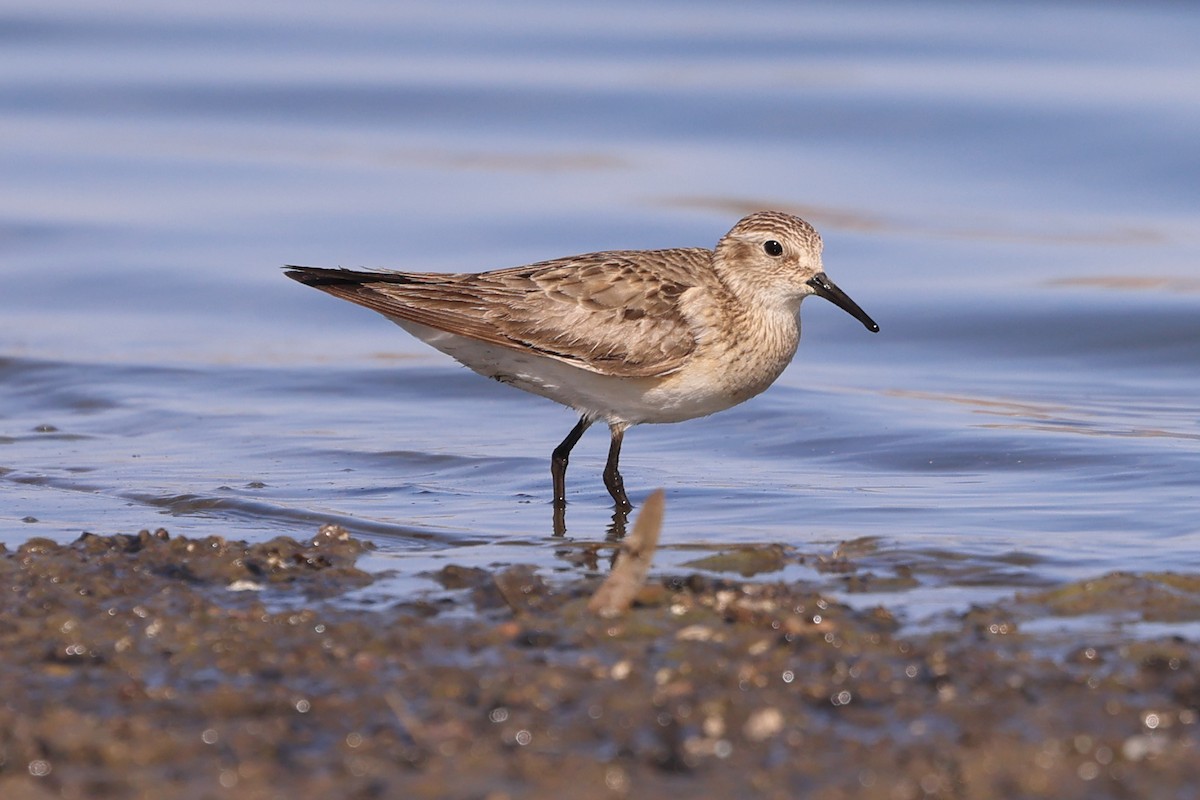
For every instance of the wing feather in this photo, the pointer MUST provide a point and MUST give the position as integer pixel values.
(617, 313)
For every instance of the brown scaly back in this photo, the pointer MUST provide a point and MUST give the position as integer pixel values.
(583, 310)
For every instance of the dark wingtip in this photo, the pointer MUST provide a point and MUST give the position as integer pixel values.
(306, 275)
(322, 276)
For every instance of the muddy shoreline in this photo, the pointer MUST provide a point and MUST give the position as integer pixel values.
(154, 666)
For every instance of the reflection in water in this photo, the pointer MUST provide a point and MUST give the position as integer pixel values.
(616, 526)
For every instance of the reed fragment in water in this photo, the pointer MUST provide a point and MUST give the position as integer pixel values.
(616, 594)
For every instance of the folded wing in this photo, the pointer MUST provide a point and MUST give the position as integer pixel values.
(616, 313)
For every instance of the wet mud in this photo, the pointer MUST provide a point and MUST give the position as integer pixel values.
(153, 666)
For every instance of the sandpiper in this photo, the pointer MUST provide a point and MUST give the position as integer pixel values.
(626, 336)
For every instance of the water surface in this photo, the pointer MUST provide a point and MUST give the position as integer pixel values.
(1008, 189)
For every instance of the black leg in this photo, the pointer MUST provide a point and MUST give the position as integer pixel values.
(558, 460)
(612, 475)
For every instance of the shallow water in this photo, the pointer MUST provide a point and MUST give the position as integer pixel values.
(1009, 190)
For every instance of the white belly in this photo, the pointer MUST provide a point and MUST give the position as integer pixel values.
(686, 394)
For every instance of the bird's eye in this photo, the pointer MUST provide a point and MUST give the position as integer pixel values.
(772, 248)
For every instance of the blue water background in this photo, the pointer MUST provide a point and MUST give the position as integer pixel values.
(1010, 189)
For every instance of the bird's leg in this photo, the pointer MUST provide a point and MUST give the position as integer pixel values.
(612, 475)
(558, 460)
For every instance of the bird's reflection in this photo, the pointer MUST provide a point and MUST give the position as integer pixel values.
(616, 526)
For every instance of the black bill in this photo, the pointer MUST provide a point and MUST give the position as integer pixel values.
(829, 290)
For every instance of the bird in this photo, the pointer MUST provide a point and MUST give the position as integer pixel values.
(624, 336)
